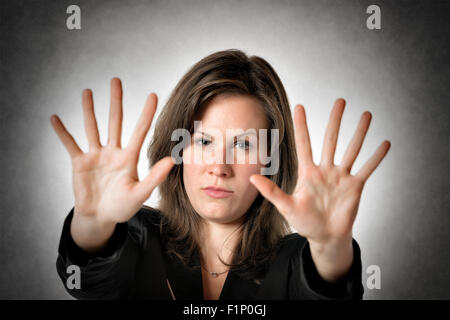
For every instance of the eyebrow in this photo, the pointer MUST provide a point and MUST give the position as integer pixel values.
(241, 134)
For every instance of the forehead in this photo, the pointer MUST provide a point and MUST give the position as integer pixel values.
(233, 111)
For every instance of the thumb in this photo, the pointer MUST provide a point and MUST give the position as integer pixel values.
(272, 192)
(158, 173)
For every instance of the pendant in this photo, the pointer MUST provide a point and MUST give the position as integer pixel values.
(214, 274)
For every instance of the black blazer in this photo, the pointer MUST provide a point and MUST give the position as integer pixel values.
(134, 265)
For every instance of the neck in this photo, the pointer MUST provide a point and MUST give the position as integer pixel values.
(218, 240)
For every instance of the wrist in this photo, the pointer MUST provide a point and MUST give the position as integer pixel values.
(333, 258)
(92, 222)
(90, 233)
(331, 246)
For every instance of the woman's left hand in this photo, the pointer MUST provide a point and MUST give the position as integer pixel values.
(325, 201)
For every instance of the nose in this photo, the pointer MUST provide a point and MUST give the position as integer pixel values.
(217, 162)
(220, 170)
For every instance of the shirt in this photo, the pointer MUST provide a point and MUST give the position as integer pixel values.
(134, 265)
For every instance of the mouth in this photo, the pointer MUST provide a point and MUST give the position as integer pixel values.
(217, 193)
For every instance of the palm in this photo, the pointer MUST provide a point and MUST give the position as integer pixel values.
(325, 201)
(109, 178)
(105, 179)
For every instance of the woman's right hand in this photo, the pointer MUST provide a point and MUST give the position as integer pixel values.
(105, 179)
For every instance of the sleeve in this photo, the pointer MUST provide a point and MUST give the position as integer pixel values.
(102, 275)
(306, 283)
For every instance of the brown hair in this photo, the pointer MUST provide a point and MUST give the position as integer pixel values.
(225, 72)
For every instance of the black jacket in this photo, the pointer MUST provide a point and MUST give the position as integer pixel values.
(134, 265)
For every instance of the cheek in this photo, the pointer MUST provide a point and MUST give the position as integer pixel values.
(244, 172)
(248, 169)
(189, 176)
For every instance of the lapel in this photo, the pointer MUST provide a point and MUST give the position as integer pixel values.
(186, 284)
(236, 288)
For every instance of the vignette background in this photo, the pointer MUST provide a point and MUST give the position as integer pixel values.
(321, 50)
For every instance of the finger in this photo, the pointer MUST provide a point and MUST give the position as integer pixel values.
(356, 143)
(158, 173)
(302, 141)
(331, 135)
(65, 137)
(115, 114)
(374, 161)
(143, 125)
(90, 123)
(272, 192)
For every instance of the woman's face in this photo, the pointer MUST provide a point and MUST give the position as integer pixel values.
(222, 113)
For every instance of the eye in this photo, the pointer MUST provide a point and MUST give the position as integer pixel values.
(202, 141)
(243, 144)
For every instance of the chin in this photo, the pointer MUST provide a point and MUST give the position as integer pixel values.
(217, 214)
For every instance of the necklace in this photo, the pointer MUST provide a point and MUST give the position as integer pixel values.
(214, 274)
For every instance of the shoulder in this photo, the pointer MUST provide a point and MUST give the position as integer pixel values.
(146, 215)
(290, 244)
(292, 239)
(149, 215)
(145, 224)
(287, 256)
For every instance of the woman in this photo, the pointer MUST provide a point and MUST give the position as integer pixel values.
(222, 228)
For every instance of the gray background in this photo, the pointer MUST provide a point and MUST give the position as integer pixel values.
(321, 50)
